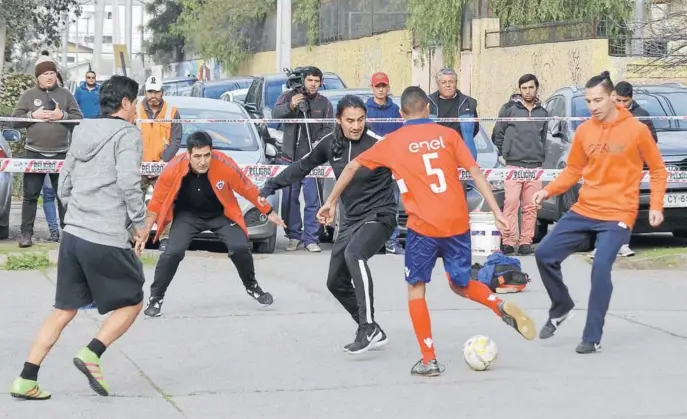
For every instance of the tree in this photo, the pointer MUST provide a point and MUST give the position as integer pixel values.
(32, 23)
(164, 45)
(662, 37)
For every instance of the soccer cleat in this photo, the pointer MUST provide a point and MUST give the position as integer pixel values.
(264, 298)
(588, 348)
(517, 319)
(154, 307)
(552, 325)
(367, 336)
(430, 369)
(89, 364)
(27, 390)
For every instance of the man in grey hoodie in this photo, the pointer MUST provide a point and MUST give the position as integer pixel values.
(50, 103)
(100, 187)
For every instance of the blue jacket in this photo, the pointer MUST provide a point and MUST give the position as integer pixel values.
(388, 110)
(88, 100)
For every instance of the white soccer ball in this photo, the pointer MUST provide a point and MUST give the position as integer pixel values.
(480, 352)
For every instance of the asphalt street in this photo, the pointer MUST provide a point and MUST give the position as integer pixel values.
(216, 353)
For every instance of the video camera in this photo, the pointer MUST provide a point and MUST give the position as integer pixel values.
(295, 79)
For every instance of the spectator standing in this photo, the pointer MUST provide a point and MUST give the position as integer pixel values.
(87, 96)
(48, 102)
(380, 105)
(452, 103)
(296, 144)
(161, 140)
(521, 144)
(50, 210)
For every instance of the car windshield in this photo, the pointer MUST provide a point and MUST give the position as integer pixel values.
(332, 82)
(215, 91)
(678, 101)
(649, 103)
(274, 89)
(236, 137)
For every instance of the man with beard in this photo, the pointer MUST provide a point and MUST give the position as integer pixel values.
(521, 144)
(161, 140)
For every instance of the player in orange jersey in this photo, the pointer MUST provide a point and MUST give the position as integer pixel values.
(424, 158)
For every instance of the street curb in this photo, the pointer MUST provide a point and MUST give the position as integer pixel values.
(667, 262)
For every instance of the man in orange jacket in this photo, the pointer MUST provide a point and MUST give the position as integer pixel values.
(196, 191)
(607, 152)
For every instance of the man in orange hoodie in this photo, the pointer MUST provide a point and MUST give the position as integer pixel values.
(607, 152)
(196, 190)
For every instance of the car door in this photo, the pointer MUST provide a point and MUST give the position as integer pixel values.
(555, 135)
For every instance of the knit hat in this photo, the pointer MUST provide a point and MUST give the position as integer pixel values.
(44, 64)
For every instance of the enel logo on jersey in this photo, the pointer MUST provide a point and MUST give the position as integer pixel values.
(430, 145)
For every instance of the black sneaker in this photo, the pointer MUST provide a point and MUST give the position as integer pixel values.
(525, 249)
(383, 341)
(54, 236)
(154, 306)
(514, 317)
(264, 298)
(163, 245)
(367, 336)
(430, 369)
(552, 325)
(508, 250)
(588, 348)
(25, 240)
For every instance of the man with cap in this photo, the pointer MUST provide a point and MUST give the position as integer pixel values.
(380, 105)
(49, 103)
(161, 140)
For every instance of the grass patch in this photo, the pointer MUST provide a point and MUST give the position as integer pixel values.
(11, 246)
(27, 262)
(149, 258)
(659, 252)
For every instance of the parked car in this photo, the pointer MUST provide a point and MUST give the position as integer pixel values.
(213, 89)
(487, 157)
(173, 87)
(8, 136)
(237, 96)
(265, 90)
(242, 143)
(658, 100)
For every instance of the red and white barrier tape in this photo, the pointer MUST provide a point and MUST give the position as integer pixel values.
(261, 172)
(331, 120)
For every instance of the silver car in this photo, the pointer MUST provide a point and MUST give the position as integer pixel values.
(8, 135)
(242, 143)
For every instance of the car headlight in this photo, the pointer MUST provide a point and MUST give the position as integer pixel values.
(497, 185)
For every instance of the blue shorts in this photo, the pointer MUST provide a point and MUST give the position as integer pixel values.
(422, 253)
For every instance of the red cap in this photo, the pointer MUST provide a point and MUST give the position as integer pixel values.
(379, 78)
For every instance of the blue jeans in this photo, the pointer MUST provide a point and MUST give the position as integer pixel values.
(305, 229)
(49, 207)
(393, 240)
(560, 243)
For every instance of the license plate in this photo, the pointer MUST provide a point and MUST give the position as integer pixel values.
(675, 200)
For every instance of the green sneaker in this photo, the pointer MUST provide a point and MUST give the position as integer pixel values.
(28, 390)
(89, 364)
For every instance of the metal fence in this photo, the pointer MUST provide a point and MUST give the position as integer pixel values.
(640, 47)
(342, 20)
(545, 33)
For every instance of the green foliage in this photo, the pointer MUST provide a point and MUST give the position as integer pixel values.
(436, 23)
(307, 12)
(27, 261)
(164, 45)
(13, 85)
(222, 30)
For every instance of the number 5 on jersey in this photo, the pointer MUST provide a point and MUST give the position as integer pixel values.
(432, 171)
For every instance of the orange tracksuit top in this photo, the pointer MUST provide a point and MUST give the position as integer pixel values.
(609, 157)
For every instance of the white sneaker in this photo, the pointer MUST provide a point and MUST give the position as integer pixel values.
(591, 255)
(625, 251)
(313, 247)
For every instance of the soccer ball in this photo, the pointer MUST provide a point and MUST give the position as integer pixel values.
(480, 352)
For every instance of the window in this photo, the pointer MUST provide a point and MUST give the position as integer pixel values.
(215, 91)
(252, 95)
(648, 102)
(274, 89)
(236, 137)
(678, 101)
(332, 82)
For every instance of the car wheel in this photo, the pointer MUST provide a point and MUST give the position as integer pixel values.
(266, 246)
(678, 234)
(4, 232)
(540, 230)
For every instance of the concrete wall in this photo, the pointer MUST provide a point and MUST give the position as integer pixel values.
(355, 60)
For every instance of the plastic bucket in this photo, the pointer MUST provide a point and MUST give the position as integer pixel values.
(485, 237)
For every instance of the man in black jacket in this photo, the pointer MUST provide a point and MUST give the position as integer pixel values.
(297, 143)
(521, 144)
(452, 103)
(623, 91)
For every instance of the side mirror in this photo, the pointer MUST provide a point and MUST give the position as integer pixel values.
(11, 135)
(271, 151)
(251, 107)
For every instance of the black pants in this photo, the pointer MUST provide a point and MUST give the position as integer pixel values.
(184, 227)
(349, 277)
(33, 184)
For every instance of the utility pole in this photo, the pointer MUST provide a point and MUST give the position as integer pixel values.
(98, 36)
(65, 43)
(283, 34)
(116, 31)
(128, 23)
(3, 34)
(639, 25)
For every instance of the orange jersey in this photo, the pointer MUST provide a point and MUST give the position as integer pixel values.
(424, 158)
(609, 157)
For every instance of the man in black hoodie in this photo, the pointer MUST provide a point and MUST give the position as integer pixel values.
(623, 91)
(521, 144)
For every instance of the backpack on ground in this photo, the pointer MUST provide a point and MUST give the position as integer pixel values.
(501, 273)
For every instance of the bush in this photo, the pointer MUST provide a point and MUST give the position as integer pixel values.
(12, 87)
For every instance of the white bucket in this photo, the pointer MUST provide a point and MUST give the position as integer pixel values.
(485, 237)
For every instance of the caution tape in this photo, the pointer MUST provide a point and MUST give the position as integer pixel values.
(238, 121)
(259, 173)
